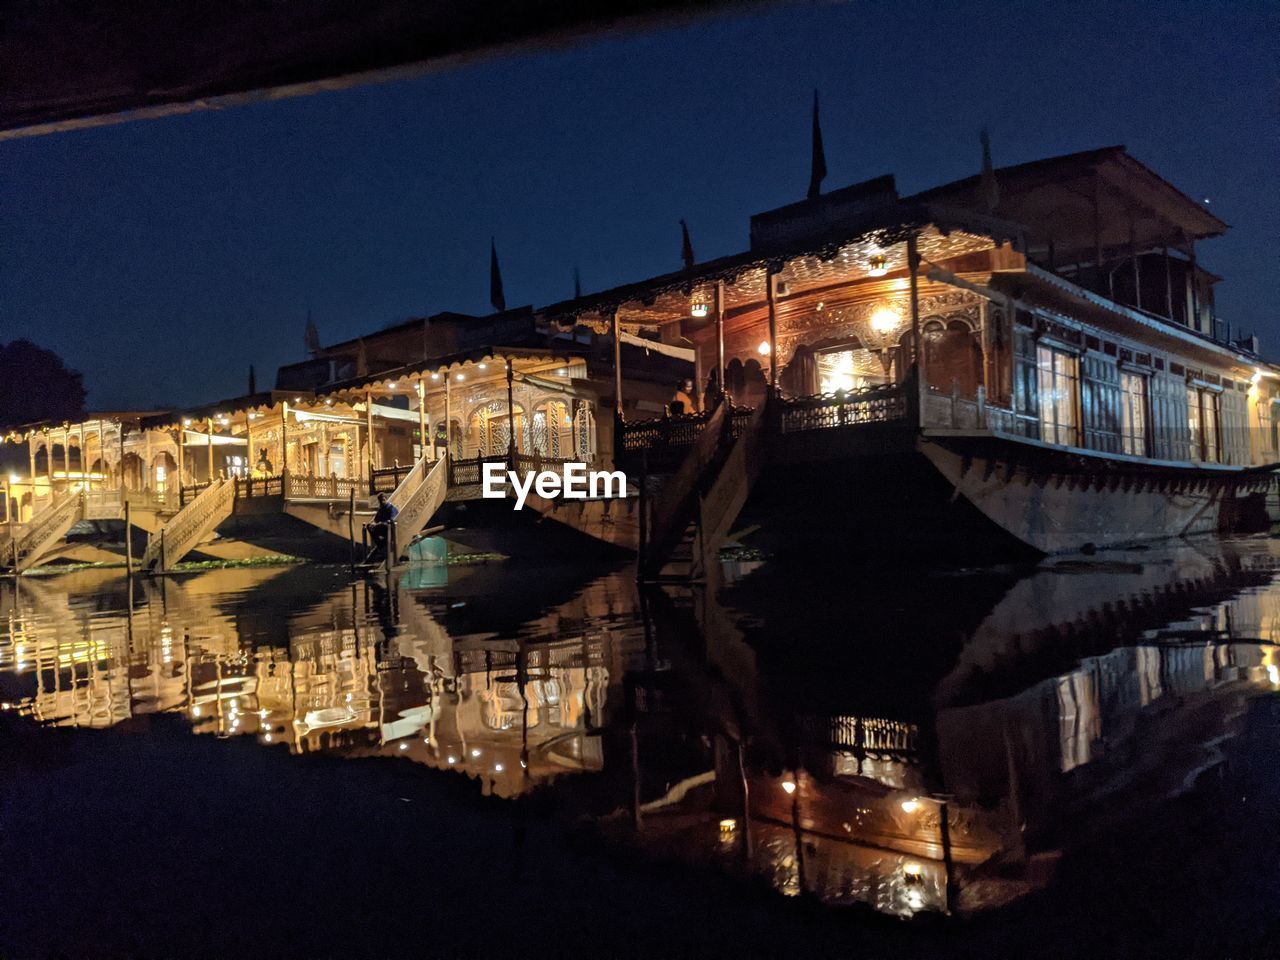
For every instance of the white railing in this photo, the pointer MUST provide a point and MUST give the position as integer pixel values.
(44, 529)
(417, 497)
(189, 525)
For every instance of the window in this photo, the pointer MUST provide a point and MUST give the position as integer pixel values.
(1202, 419)
(1059, 382)
(1266, 439)
(1133, 413)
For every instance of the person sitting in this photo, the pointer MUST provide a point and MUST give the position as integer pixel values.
(683, 401)
(380, 526)
(263, 467)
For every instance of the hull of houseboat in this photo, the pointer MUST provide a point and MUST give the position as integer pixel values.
(975, 499)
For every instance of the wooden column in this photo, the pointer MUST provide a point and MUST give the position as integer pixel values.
(917, 348)
(83, 466)
(102, 449)
(719, 308)
(368, 421)
(248, 443)
(284, 439)
(511, 416)
(617, 364)
(422, 419)
(448, 416)
(31, 458)
(209, 424)
(147, 476)
(182, 436)
(120, 428)
(771, 294)
(66, 454)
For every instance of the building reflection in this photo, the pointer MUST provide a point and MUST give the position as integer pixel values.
(510, 712)
(1084, 694)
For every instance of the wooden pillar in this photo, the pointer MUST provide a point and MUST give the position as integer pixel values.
(31, 457)
(1195, 287)
(917, 347)
(284, 439)
(368, 421)
(147, 475)
(182, 436)
(120, 428)
(719, 308)
(209, 446)
(771, 296)
(617, 364)
(248, 443)
(102, 449)
(422, 419)
(511, 415)
(448, 416)
(84, 471)
(66, 454)
(1168, 285)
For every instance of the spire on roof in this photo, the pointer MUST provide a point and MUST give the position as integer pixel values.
(818, 160)
(990, 187)
(496, 297)
(311, 338)
(686, 246)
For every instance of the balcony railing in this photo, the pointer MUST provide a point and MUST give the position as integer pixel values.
(842, 409)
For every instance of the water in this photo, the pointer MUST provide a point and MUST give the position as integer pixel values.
(995, 747)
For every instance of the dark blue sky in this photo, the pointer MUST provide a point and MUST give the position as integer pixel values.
(163, 257)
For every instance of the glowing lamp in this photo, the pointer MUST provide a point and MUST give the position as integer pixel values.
(879, 266)
(484, 366)
(728, 825)
(763, 349)
(435, 376)
(699, 309)
(1257, 375)
(884, 321)
(913, 871)
(497, 768)
(910, 806)
(459, 377)
(789, 786)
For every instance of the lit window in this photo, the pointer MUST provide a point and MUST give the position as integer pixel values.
(1133, 413)
(1059, 385)
(1202, 421)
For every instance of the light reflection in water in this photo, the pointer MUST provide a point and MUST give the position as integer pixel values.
(1076, 689)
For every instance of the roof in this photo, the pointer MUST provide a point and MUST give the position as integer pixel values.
(1054, 198)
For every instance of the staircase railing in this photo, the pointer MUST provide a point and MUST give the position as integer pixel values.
(189, 525)
(668, 515)
(44, 529)
(417, 498)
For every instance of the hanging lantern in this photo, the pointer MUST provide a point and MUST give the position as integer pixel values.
(880, 329)
(879, 265)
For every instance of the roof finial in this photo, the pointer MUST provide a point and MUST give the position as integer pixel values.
(686, 246)
(818, 167)
(990, 188)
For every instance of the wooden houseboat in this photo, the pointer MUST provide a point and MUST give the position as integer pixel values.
(1027, 360)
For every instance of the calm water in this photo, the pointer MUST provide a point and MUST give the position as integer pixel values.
(919, 744)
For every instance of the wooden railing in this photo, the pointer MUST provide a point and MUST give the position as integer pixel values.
(470, 472)
(323, 488)
(249, 487)
(189, 491)
(680, 431)
(842, 409)
(386, 479)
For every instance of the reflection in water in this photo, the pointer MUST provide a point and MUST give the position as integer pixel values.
(874, 749)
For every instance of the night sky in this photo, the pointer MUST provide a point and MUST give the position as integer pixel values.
(163, 257)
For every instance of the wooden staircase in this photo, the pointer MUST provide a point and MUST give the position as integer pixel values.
(42, 532)
(417, 498)
(189, 526)
(688, 521)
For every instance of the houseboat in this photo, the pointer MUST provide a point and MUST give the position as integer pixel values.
(1028, 360)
